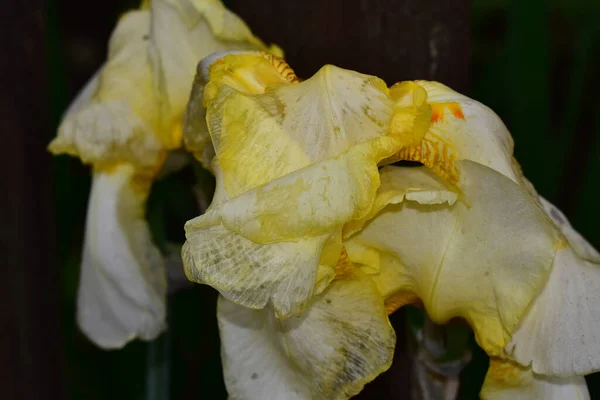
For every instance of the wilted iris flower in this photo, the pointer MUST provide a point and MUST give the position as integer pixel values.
(487, 249)
(123, 124)
(294, 161)
(311, 244)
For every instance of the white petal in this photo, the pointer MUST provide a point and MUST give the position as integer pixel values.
(483, 259)
(560, 335)
(122, 284)
(469, 130)
(507, 381)
(331, 351)
(578, 242)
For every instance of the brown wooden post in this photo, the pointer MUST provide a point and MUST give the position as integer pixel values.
(393, 39)
(30, 340)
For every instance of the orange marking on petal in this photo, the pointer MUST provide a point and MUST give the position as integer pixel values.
(456, 110)
(438, 110)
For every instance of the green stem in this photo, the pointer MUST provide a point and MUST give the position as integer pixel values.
(158, 367)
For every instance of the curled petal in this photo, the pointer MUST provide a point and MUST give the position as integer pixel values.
(342, 341)
(294, 165)
(259, 138)
(560, 333)
(116, 116)
(280, 227)
(310, 201)
(461, 129)
(251, 274)
(484, 262)
(122, 285)
(418, 185)
(245, 71)
(412, 114)
(509, 381)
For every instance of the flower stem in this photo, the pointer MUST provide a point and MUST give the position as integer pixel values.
(438, 353)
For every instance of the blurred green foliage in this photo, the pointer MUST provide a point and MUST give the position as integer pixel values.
(534, 62)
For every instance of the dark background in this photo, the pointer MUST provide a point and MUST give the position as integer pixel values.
(534, 62)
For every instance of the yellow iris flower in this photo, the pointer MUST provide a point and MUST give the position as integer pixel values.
(311, 245)
(294, 162)
(468, 236)
(123, 124)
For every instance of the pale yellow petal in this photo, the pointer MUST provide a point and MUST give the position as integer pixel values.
(298, 162)
(116, 117)
(237, 232)
(341, 342)
(259, 138)
(224, 24)
(418, 185)
(461, 129)
(122, 284)
(412, 114)
(252, 274)
(560, 335)
(184, 32)
(508, 381)
(472, 129)
(245, 71)
(333, 110)
(484, 262)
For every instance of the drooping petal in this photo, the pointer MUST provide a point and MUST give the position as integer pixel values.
(293, 215)
(483, 258)
(560, 334)
(117, 115)
(341, 342)
(113, 125)
(509, 381)
(122, 285)
(252, 274)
